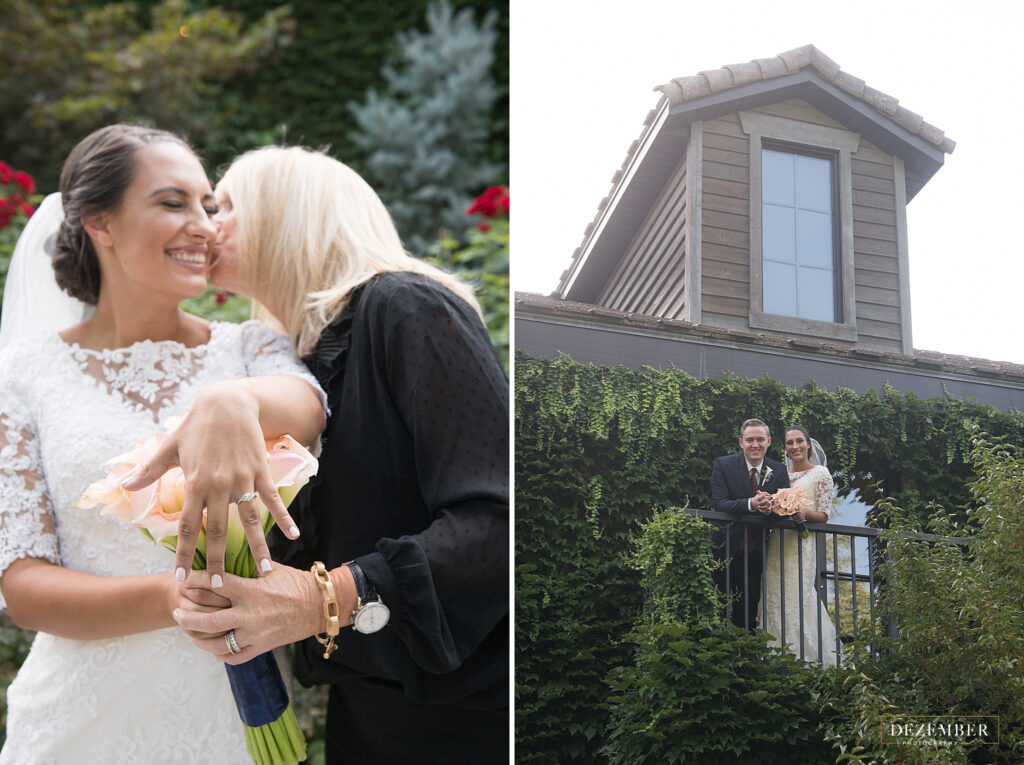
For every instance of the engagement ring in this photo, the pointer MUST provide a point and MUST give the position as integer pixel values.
(249, 496)
(229, 638)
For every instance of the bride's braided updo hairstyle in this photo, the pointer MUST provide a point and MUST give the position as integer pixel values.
(92, 181)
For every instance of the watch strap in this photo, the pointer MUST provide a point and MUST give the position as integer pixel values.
(364, 589)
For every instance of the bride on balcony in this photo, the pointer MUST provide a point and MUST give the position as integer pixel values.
(806, 462)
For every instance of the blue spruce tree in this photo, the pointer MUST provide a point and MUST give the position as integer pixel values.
(426, 135)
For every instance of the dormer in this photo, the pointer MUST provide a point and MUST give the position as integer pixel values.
(766, 197)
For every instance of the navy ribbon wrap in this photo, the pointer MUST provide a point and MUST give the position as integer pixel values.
(259, 691)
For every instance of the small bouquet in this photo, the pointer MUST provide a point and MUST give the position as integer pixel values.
(272, 733)
(789, 501)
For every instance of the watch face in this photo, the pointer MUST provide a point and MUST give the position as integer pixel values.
(372, 617)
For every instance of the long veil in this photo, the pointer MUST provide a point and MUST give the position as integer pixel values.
(33, 303)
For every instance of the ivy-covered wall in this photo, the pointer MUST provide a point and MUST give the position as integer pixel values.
(597, 448)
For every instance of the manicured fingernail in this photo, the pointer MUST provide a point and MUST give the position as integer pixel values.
(265, 566)
(129, 476)
(176, 614)
(216, 582)
(293, 531)
(179, 574)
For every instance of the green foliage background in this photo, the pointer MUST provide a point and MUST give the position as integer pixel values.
(598, 447)
(239, 80)
(247, 73)
(482, 259)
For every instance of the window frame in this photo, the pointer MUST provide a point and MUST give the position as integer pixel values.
(777, 133)
(784, 147)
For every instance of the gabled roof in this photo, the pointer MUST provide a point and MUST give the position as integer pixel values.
(804, 73)
(684, 89)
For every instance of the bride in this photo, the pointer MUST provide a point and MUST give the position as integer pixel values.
(806, 462)
(110, 678)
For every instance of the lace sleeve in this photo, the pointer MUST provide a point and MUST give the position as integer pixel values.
(824, 491)
(26, 515)
(268, 353)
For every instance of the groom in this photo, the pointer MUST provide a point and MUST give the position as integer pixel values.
(742, 484)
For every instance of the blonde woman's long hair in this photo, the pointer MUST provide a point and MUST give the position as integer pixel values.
(311, 230)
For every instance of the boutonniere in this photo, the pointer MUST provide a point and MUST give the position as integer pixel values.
(766, 473)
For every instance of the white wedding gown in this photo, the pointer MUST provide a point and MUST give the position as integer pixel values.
(817, 486)
(148, 698)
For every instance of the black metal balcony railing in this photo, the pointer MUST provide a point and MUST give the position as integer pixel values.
(845, 579)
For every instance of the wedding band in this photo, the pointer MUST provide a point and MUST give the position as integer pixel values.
(249, 496)
(229, 638)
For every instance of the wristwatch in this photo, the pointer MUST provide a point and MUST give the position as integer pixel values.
(370, 614)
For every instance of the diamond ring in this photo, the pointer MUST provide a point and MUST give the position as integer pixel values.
(229, 638)
(249, 496)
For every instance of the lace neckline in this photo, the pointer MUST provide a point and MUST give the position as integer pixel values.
(145, 347)
(149, 375)
(802, 472)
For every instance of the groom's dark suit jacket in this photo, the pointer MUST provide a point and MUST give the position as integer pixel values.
(730, 490)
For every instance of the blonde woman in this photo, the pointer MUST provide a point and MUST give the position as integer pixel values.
(409, 514)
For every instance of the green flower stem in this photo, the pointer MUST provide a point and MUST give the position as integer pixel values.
(280, 742)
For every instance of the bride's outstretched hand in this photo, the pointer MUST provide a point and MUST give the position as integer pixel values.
(220, 447)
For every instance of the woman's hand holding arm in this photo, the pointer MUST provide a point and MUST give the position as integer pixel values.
(284, 606)
(49, 598)
(220, 446)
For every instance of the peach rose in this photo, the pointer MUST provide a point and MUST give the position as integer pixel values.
(789, 501)
(108, 492)
(291, 466)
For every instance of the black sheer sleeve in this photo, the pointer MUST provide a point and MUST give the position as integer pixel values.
(447, 585)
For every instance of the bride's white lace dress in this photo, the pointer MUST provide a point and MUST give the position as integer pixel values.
(817, 486)
(146, 698)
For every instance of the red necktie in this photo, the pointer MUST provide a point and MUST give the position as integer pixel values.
(751, 537)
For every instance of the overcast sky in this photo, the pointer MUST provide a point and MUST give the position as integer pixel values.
(583, 74)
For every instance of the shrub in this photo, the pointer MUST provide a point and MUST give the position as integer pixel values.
(18, 199)
(71, 68)
(960, 649)
(700, 689)
(712, 693)
(217, 305)
(482, 258)
(426, 137)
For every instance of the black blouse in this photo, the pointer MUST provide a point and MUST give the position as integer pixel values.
(413, 485)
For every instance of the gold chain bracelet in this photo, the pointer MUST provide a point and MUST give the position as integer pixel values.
(331, 609)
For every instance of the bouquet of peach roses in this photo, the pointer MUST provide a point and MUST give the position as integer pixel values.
(272, 733)
(789, 501)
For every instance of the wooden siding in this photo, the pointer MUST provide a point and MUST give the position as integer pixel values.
(725, 241)
(650, 277)
(876, 250)
(725, 235)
